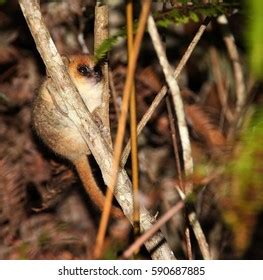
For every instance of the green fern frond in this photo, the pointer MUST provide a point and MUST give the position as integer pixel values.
(108, 44)
(105, 47)
(174, 16)
(186, 13)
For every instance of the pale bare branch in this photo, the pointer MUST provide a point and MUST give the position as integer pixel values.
(159, 97)
(177, 99)
(183, 132)
(164, 219)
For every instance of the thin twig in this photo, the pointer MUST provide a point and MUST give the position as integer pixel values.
(101, 33)
(114, 94)
(157, 100)
(133, 128)
(146, 5)
(188, 243)
(179, 170)
(183, 132)
(234, 56)
(174, 136)
(199, 234)
(238, 74)
(177, 99)
(179, 110)
(139, 242)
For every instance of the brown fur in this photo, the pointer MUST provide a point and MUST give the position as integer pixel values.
(61, 134)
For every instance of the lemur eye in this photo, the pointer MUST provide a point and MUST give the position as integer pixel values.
(84, 70)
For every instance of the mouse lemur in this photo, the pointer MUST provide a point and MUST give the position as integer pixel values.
(60, 133)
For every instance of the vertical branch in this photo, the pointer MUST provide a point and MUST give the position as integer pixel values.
(114, 94)
(101, 32)
(133, 128)
(175, 145)
(234, 56)
(238, 74)
(179, 110)
(146, 5)
(183, 132)
(177, 99)
(188, 243)
(179, 173)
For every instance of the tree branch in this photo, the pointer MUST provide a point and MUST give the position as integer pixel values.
(159, 97)
(183, 131)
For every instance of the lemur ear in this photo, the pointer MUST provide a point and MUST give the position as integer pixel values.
(65, 59)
